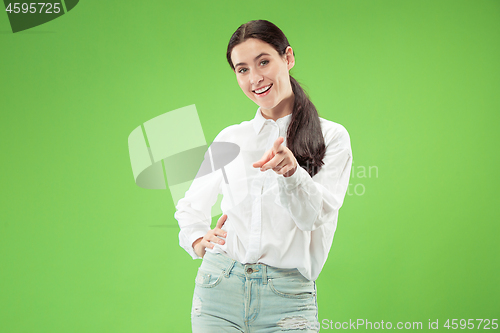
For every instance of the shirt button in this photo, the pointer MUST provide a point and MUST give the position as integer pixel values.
(249, 270)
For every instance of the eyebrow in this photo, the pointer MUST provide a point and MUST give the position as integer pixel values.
(257, 57)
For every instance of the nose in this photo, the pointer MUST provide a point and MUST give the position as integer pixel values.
(255, 78)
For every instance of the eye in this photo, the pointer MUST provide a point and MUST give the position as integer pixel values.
(242, 70)
(264, 62)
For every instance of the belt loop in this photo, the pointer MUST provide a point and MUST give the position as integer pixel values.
(229, 268)
(264, 274)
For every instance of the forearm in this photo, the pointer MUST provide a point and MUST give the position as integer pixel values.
(312, 202)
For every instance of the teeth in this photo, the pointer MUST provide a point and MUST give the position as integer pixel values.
(260, 91)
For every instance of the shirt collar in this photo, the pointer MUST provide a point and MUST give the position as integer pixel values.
(259, 121)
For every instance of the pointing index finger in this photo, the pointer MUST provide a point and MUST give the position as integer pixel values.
(278, 143)
(221, 221)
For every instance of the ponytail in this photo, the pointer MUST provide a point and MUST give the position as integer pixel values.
(304, 136)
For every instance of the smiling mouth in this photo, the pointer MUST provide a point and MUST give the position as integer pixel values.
(262, 90)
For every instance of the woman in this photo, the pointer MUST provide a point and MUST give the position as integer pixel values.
(281, 197)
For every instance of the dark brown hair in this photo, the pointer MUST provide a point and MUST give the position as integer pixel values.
(304, 136)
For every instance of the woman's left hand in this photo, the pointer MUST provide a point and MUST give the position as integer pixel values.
(279, 158)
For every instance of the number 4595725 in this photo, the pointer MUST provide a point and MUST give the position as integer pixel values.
(455, 323)
(32, 8)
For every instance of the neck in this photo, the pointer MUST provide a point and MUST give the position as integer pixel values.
(284, 108)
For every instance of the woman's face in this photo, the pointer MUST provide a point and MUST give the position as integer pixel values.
(262, 73)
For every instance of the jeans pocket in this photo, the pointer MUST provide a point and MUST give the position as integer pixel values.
(207, 279)
(293, 287)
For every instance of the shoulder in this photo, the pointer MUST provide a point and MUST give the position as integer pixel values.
(334, 133)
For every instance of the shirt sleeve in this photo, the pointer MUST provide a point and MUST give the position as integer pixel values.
(314, 201)
(194, 210)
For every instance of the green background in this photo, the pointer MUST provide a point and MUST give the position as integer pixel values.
(416, 84)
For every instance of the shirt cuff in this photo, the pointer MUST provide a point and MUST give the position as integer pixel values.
(294, 180)
(194, 236)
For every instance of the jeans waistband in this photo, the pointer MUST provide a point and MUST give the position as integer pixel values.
(252, 271)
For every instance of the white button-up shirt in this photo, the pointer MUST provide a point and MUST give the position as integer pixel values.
(285, 222)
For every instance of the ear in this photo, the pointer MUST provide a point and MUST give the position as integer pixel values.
(289, 57)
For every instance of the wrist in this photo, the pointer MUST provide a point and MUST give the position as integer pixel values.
(291, 172)
(198, 249)
(196, 242)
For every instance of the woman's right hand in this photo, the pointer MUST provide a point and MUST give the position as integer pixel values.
(202, 243)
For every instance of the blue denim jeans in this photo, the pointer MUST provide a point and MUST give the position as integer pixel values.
(232, 297)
